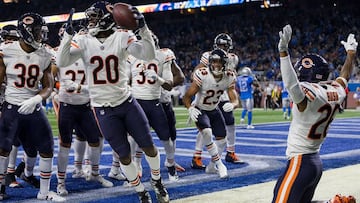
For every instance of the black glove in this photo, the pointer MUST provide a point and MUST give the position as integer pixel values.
(69, 23)
(138, 16)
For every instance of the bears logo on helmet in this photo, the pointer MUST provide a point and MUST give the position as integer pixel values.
(223, 41)
(99, 17)
(312, 68)
(32, 29)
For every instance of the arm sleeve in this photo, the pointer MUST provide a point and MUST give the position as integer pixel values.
(144, 48)
(167, 74)
(290, 80)
(65, 56)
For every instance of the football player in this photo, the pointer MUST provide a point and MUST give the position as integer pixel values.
(221, 41)
(75, 113)
(104, 51)
(209, 83)
(315, 105)
(244, 85)
(26, 64)
(148, 78)
(286, 102)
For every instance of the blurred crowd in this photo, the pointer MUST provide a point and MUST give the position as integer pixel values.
(319, 26)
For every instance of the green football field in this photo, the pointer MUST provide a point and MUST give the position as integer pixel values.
(259, 116)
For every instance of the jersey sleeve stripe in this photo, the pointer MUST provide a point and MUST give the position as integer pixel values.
(197, 79)
(309, 94)
(75, 45)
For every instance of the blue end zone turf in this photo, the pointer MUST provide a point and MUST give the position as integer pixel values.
(262, 148)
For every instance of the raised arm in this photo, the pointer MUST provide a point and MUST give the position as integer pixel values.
(350, 46)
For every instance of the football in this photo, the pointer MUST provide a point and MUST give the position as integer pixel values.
(124, 17)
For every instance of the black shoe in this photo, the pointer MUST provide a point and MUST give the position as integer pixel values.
(161, 193)
(10, 181)
(144, 197)
(3, 194)
(20, 169)
(31, 180)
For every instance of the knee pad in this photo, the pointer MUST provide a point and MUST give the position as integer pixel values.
(206, 133)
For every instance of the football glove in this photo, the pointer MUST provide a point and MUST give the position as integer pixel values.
(71, 86)
(285, 37)
(351, 43)
(194, 113)
(28, 106)
(139, 17)
(69, 28)
(228, 107)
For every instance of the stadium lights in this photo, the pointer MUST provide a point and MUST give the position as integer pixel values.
(149, 8)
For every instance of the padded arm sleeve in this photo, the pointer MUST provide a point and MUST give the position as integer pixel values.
(65, 57)
(290, 80)
(145, 48)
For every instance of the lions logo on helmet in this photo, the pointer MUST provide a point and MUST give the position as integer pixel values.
(245, 71)
(223, 41)
(99, 17)
(217, 62)
(32, 29)
(312, 68)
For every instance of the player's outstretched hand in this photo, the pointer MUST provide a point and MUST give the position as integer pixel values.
(228, 107)
(139, 17)
(285, 37)
(351, 43)
(69, 28)
(28, 106)
(194, 113)
(150, 73)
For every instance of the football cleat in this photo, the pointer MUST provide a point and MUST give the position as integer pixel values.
(78, 174)
(222, 170)
(20, 169)
(210, 168)
(116, 176)
(250, 127)
(173, 176)
(161, 193)
(196, 163)
(10, 181)
(50, 196)
(242, 121)
(61, 189)
(3, 194)
(31, 180)
(99, 179)
(233, 158)
(144, 197)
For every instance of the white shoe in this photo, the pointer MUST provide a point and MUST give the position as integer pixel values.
(116, 176)
(250, 127)
(78, 174)
(210, 168)
(87, 169)
(50, 196)
(61, 189)
(99, 179)
(242, 121)
(222, 170)
(173, 178)
(285, 115)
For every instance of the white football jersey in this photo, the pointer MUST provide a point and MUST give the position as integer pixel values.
(210, 91)
(105, 66)
(145, 88)
(76, 73)
(231, 64)
(308, 129)
(165, 96)
(23, 71)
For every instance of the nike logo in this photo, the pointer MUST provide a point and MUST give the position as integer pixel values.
(157, 104)
(130, 100)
